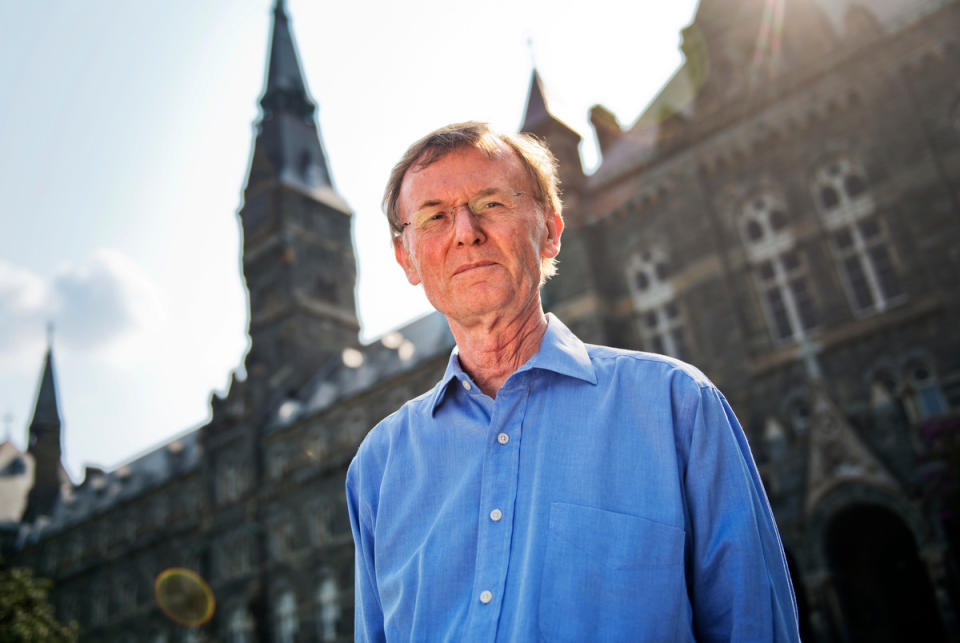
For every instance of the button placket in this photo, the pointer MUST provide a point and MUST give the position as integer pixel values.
(495, 520)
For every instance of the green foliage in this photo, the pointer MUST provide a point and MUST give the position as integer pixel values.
(25, 613)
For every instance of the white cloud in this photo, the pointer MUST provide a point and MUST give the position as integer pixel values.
(105, 308)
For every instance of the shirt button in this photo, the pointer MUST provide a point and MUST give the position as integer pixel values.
(503, 438)
(466, 385)
(496, 515)
(486, 596)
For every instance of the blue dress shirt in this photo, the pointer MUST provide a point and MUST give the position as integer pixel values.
(604, 495)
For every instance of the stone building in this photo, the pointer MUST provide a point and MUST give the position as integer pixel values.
(785, 214)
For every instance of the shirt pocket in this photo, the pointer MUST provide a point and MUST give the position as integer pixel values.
(610, 577)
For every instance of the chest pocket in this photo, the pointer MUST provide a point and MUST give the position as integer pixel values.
(610, 577)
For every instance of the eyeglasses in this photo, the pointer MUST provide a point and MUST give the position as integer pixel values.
(435, 219)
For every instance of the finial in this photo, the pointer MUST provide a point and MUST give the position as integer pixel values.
(49, 334)
(533, 55)
(278, 7)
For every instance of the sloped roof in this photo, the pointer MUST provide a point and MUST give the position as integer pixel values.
(396, 352)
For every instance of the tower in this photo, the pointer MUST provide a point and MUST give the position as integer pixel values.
(563, 141)
(298, 260)
(44, 446)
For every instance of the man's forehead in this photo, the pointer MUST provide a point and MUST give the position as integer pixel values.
(503, 161)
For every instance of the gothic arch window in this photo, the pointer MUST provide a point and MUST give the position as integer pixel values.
(286, 623)
(797, 407)
(922, 390)
(884, 389)
(328, 608)
(775, 440)
(240, 626)
(779, 270)
(654, 299)
(886, 405)
(858, 237)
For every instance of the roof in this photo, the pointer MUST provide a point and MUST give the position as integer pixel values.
(397, 352)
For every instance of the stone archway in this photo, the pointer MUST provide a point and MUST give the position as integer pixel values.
(882, 586)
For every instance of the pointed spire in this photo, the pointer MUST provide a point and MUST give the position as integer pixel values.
(288, 149)
(44, 446)
(285, 88)
(46, 412)
(537, 112)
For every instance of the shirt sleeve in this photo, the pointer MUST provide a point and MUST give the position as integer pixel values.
(368, 613)
(738, 579)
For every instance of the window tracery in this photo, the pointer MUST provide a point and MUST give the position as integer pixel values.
(328, 609)
(654, 298)
(779, 271)
(858, 237)
(287, 624)
(240, 626)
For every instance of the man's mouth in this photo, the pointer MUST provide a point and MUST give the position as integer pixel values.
(472, 266)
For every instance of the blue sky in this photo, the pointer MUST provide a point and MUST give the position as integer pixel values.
(126, 130)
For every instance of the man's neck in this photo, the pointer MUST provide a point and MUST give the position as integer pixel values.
(493, 348)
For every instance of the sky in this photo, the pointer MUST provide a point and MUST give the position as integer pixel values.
(126, 132)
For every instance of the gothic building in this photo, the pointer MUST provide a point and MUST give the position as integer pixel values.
(785, 214)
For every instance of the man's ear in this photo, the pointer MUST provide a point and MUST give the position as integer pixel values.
(554, 223)
(403, 258)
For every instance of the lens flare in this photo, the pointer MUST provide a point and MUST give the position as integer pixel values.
(184, 596)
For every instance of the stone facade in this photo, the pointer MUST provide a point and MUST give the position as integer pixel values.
(785, 215)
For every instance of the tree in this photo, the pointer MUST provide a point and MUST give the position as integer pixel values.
(25, 612)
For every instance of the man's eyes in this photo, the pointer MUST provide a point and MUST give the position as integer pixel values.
(432, 218)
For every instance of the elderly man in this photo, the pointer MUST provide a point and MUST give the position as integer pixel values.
(545, 489)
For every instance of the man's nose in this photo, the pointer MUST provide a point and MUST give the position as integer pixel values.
(466, 226)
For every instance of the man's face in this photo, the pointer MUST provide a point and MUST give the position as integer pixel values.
(476, 235)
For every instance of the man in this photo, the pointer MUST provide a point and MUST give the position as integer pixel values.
(545, 489)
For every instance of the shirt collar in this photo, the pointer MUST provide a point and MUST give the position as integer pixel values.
(560, 351)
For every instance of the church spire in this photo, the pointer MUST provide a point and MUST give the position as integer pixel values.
(46, 412)
(537, 113)
(285, 88)
(298, 260)
(288, 148)
(44, 446)
(563, 141)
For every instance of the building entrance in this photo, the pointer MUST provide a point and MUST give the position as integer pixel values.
(883, 588)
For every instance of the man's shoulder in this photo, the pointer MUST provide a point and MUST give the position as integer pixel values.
(652, 365)
(393, 427)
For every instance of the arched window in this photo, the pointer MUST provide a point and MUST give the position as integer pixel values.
(328, 609)
(857, 236)
(285, 618)
(661, 319)
(779, 271)
(240, 626)
(797, 407)
(923, 395)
